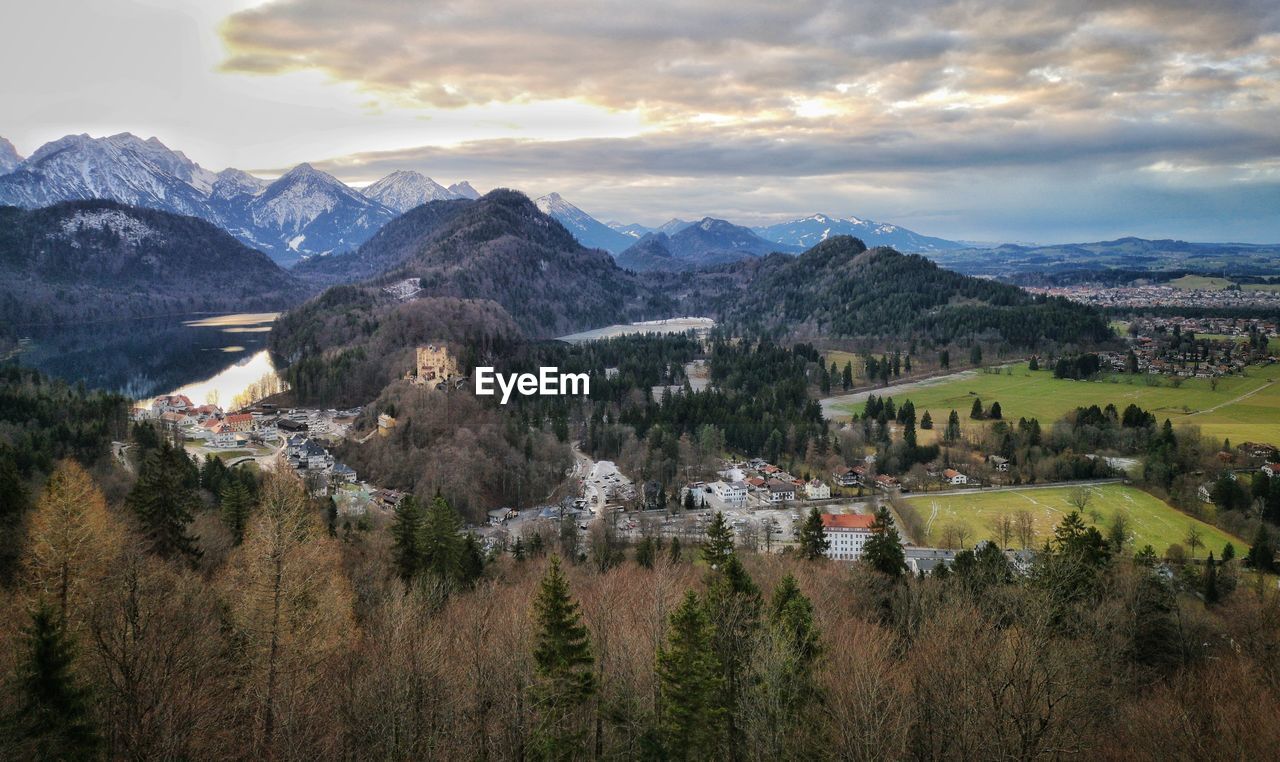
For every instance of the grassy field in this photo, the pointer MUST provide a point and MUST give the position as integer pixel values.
(1224, 412)
(1200, 282)
(1151, 520)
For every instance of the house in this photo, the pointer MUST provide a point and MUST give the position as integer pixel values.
(998, 463)
(755, 482)
(1271, 469)
(222, 435)
(886, 482)
(290, 426)
(343, 473)
(242, 422)
(847, 534)
(205, 412)
(847, 478)
(731, 493)
(388, 498)
(780, 491)
(177, 418)
(314, 457)
(699, 492)
(817, 489)
(385, 424)
(952, 476)
(170, 403)
(923, 561)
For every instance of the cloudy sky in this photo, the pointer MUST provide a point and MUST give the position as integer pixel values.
(1040, 120)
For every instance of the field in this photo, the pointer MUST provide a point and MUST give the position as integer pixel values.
(1241, 408)
(1152, 521)
(1200, 282)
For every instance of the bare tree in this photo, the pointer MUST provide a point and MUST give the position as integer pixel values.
(1079, 499)
(1025, 528)
(1002, 529)
(1194, 539)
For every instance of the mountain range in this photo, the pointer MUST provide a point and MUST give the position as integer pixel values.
(303, 213)
(1129, 254)
(697, 245)
(589, 231)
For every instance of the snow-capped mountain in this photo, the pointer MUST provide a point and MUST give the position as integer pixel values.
(589, 231)
(672, 226)
(313, 212)
(817, 228)
(634, 229)
(303, 213)
(403, 190)
(9, 158)
(464, 190)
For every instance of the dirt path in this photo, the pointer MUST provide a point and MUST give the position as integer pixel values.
(832, 407)
(1242, 397)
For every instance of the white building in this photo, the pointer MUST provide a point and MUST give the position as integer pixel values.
(780, 491)
(847, 534)
(731, 493)
(817, 489)
(953, 476)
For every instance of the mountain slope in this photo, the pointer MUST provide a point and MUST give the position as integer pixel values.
(405, 189)
(815, 229)
(9, 158)
(839, 288)
(82, 260)
(589, 231)
(464, 190)
(388, 248)
(702, 244)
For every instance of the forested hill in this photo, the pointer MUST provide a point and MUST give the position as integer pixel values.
(87, 260)
(840, 288)
(388, 248)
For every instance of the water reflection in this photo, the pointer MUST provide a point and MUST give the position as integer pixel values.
(197, 355)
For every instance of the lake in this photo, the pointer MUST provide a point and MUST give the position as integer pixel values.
(701, 325)
(210, 358)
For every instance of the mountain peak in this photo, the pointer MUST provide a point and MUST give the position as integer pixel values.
(463, 189)
(9, 158)
(405, 189)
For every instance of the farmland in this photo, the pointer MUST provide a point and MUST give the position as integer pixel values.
(1151, 520)
(1242, 408)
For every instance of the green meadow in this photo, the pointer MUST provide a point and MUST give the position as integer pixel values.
(1241, 408)
(1151, 521)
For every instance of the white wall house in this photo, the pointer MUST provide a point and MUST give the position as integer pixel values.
(731, 493)
(817, 489)
(953, 476)
(847, 534)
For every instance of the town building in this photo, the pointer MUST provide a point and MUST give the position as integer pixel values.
(780, 491)
(730, 493)
(847, 534)
(816, 489)
(952, 476)
(434, 365)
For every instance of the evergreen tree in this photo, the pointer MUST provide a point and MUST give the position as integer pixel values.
(14, 497)
(674, 550)
(53, 717)
(944, 359)
(689, 684)
(812, 538)
(1262, 554)
(236, 505)
(1211, 592)
(718, 546)
(646, 552)
(926, 421)
(733, 607)
(162, 500)
(883, 549)
(951, 434)
(791, 612)
(563, 668)
(975, 355)
(406, 536)
(471, 560)
(1034, 364)
(976, 411)
(846, 376)
(995, 413)
(441, 542)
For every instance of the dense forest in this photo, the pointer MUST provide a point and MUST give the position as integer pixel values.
(94, 260)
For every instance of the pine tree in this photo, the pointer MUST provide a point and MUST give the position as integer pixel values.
(846, 376)
(53, 718)
(1262, 554)
(1211, 592)
(441, 542)
(646, 552)
(791, 612)
(976, 411)
(563, 665)
(689, 684)
(236, 504)
(162, 499)
(674, 550)
(812, 538)
(406, 536)
(733, 607)
(926, 421)
(952, 433)
(718, 546)
(883, 549)
(995, 413)
(471, 560)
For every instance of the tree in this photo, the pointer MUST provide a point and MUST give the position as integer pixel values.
(976, 411)
(1025, 528)
(1262, 553)
(406, 537)
(944, 359)
(951, 434)
(1078, 542)
(674, 550)
(1118, 534)
(1211, 592)
(689, 685)
(53, 719)
(563, 665)
(733, 607)
(995, 413)
(883, 549)
(441, 542)
(975, 355)
(162, 500)
(812, 538)
(70, 539)
(1194, 539)
(846, 376)
(236, 504)
(926, 421)
(1034, 365)
(718, 546)
(646, 552)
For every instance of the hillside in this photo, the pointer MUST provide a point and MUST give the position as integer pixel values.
(839, 288)
(1138, 254)
(589, 231)
(85, 260)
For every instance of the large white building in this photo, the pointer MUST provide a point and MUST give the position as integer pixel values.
(847, 534)
(732, 493)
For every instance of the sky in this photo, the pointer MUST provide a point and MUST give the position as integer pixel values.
(986, 120)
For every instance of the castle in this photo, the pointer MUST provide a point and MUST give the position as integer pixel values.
(434, 365)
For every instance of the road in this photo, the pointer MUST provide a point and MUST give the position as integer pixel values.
(1244, 396)
(1011, 488)
(836, 407)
